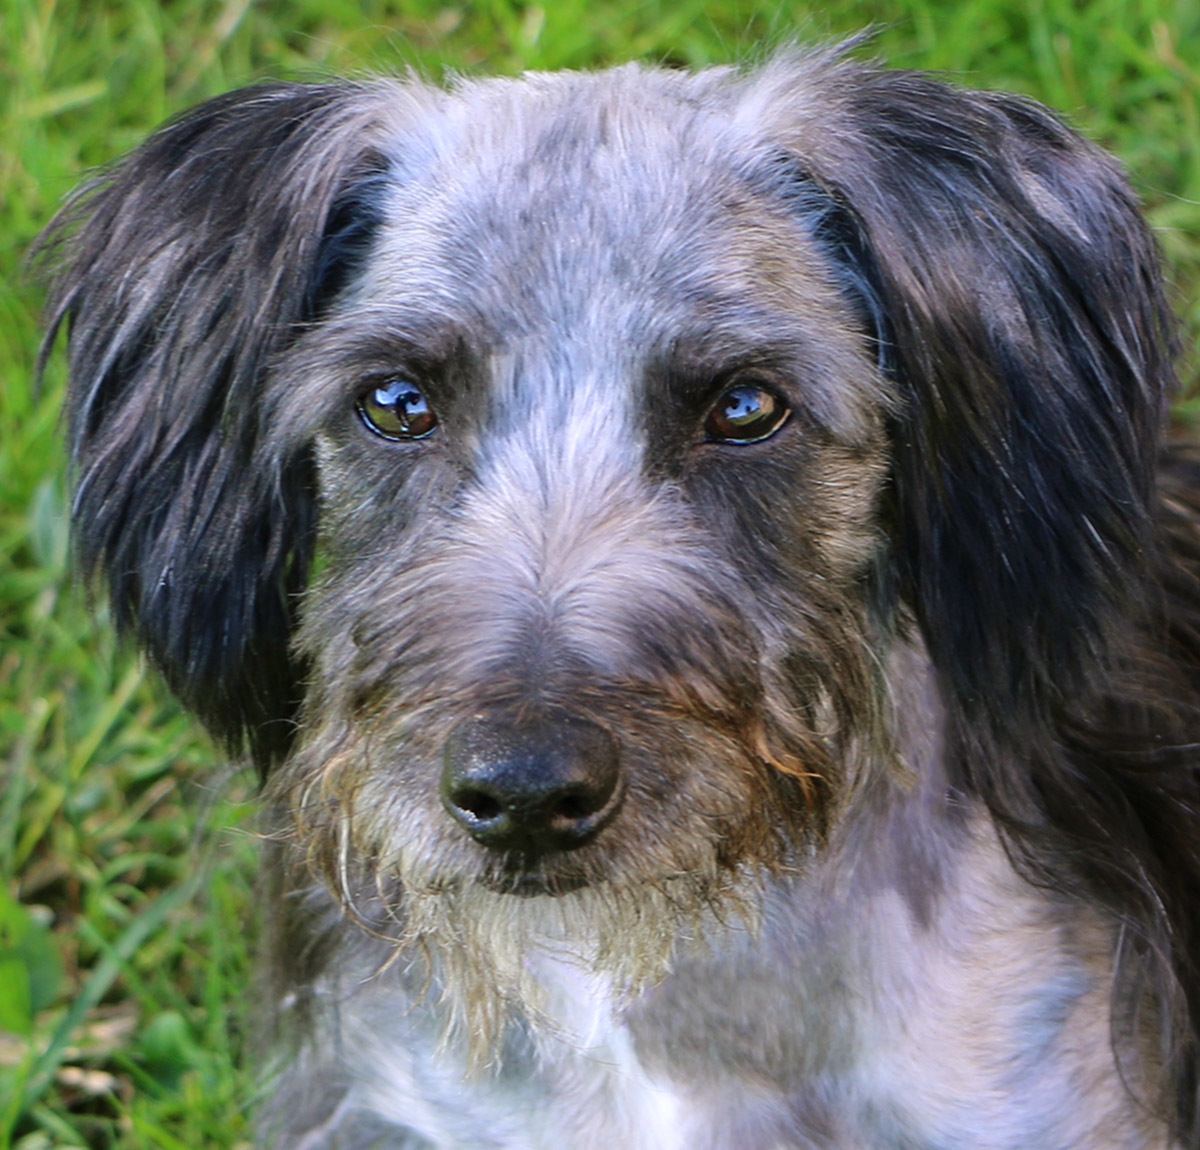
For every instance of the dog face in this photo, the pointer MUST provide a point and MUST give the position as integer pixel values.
(519, 577)
(538, 475)
(620, 419)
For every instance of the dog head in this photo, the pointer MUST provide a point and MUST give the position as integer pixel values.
(535, 474)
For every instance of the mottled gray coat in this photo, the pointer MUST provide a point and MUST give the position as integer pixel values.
(870, 715)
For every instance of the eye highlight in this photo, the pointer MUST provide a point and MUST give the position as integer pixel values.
(745, 413)
(397, 409)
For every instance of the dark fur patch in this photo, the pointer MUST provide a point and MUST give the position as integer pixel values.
(1027, 329)
(187, 267)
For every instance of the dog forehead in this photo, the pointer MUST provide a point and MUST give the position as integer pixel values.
(573, 200)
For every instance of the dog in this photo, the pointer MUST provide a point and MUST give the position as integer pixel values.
(696, 560)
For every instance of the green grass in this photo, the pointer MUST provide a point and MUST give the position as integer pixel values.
(126, 851)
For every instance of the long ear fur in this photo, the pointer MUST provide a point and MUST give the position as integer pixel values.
(1028, 331)
(1018, 299)
(181, 272)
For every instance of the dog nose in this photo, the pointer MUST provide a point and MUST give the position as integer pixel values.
(536, 786)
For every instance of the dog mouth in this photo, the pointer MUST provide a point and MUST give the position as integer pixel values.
(526, 877)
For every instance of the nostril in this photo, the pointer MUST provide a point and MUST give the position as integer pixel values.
(479, 804)
(577, 805)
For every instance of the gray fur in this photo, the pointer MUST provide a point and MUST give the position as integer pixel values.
(843, 667)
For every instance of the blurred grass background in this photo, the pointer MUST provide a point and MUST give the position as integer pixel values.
(126, 848)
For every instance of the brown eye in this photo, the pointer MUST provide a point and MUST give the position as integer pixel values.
(745, 413)
(397, 409)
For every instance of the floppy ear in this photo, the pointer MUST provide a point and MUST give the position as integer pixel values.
(181, 272)
(1024, 322)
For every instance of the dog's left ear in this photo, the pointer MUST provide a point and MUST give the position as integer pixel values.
(181, 273)
(1018, 294)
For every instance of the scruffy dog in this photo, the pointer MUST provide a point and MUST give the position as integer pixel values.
(691, 557)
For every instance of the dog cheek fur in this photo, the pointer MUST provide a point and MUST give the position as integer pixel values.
(449, 620)
(534, 553)
(579, 582)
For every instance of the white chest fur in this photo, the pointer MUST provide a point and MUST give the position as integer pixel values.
(856, 1017)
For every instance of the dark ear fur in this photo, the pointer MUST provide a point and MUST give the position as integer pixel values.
(180, 273)
(1021, 306)
(1027, 328)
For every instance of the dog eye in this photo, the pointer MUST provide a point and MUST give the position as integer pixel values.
(397, 409)
(745, 413)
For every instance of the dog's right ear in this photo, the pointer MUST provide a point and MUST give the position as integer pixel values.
(180, 273)
(1016, 300)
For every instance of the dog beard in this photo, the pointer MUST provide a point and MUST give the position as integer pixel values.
(488, 948)
(485, 952)
(476, 930)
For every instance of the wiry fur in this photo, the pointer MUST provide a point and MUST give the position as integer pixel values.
(905, 696)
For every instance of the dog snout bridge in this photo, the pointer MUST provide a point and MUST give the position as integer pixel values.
(531, 785)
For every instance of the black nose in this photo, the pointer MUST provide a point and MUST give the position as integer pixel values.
(546, 784)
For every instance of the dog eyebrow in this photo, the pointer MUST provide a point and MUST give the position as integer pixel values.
(695, 365)
(377, 334)
(833, 227)
(322, 372)
(692, 366)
